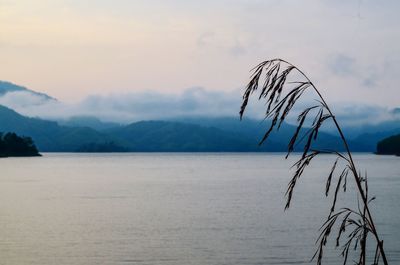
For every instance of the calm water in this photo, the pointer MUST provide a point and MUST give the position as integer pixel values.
(175, 209)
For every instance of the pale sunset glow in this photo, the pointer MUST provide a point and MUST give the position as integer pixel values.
(72, 49)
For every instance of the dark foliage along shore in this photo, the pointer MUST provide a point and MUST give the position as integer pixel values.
(14, 145)
(108, 147)
(389, 146)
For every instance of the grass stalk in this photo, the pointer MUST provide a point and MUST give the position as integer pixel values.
(279, 103)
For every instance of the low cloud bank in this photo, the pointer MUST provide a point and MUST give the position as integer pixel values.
(126, 108)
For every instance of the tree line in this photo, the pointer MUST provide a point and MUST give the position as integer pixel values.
(13, 145)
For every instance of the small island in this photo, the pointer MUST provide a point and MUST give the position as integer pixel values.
(12, 145)
(389, 146)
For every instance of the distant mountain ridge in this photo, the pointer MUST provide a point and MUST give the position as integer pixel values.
(88, 121)
(48, 135)
(167, 136)
(7, 87)
(146, 136)
(215, 135)
(191, 134)
(361, 138)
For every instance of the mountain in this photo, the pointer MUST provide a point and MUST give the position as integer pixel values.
(368, 141)
(164, 136)
(79, 129)
(197, 134)
(7, 87)
(145, 136)
(363, 138)
(384, 128)
(255, 130)
(366, 137)
(47, 135)
(396, 111)
(389, 146)
(141, 136)
(211, 135)
(88, 121)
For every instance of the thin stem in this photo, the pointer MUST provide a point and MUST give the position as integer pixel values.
(351, 161)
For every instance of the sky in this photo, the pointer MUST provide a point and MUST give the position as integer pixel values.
(75, 50)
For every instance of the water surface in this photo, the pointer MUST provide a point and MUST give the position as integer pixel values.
(176, 209)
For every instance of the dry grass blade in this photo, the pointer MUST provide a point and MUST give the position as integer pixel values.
(342, 228)
(329, 180)
(280, 96)
(342, 175)
(300, 166)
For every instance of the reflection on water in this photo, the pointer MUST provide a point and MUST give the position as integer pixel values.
(175, 209)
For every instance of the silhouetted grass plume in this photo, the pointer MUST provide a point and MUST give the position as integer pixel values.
(273, 80)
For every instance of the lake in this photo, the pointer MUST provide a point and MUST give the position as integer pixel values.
(178, 209)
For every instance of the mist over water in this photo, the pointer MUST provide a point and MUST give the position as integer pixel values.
(176, 209)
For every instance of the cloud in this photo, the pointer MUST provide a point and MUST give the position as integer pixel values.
(351, 114)
(155, 105)
(192, 102)
(342, 65)
(130, 107)
(23, 99)
(237, 49)
(378, 76)
(204, 38)
(370, 81)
